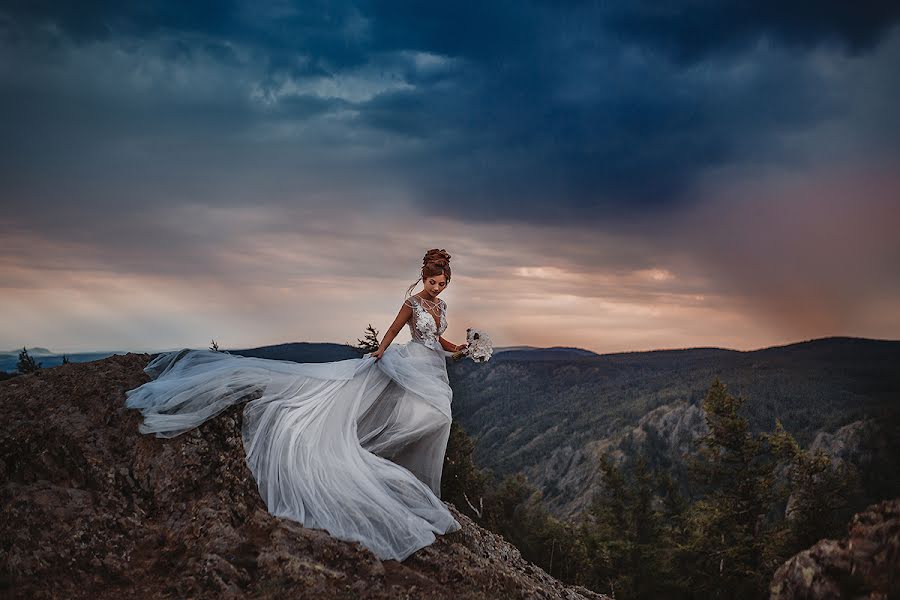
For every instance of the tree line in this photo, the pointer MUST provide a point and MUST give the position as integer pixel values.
(754, 500)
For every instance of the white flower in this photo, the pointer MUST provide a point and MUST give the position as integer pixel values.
(480, 345)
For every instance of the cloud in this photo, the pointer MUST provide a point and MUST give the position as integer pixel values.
(258, 283)
(606, 172)
(689, 31)
(536, 114)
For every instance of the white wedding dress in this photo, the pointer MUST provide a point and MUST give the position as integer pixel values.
(355, 447)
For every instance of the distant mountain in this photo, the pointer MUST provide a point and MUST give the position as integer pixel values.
(297, 352)
(9, 362)
(302, 352)
(323, 352)
(554, 353)
(33, 351)
(508, 348)
(551, 418)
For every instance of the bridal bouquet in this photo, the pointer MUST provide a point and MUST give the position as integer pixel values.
(479, 347)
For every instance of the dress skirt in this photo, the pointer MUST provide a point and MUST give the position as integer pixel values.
(355, 447)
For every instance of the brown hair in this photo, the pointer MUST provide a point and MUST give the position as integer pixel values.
(436, 262)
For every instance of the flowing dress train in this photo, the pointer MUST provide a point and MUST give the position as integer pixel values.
(355, 447)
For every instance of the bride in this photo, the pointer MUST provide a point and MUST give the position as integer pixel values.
(355, 447)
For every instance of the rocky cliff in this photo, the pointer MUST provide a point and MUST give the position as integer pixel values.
(93, 509)
(865, 565)
(574, 470)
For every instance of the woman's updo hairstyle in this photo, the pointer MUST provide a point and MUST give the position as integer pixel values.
(436, 262)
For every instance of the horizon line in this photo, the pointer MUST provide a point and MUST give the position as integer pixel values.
(506, 348)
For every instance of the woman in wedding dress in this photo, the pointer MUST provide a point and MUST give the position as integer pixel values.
(355, 447)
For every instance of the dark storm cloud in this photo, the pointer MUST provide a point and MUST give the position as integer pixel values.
(689, 30)
(281, 27)
(538, 112)
(599, 149)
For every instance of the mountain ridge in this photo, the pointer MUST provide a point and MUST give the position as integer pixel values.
(552, 419)
(496, 348)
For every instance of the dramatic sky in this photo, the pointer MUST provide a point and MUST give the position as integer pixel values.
(612, 175)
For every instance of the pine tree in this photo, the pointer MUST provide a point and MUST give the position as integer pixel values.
(645, 559)
(819, 491)
(610, 505)
(609, 537)
(563, 552)
(674, 564)
(514, 509)
(727, 542)
(504, 505)
(462, 482)
(26, 363)
(674, 503)
(624, 535)
(370, 342)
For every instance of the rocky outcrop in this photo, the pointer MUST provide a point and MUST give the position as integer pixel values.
(676, 427)
(93, 509)
(847, 444)
(864, 565)
(679, 424)
(574, 472)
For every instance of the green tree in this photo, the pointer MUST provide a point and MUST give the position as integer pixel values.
(607, 539)
(26, 363)
(514, 508)
(674, 565)
(819, 491)
(623, 532)
(369, 342)
(646, 532)
(463, 483)
(505, 506)
(727, 542)
(563, 552)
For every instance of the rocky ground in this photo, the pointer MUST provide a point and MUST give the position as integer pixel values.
(93, 509)
(863, 565)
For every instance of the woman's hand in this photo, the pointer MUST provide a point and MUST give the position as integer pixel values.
(459, 352)
(377, 354)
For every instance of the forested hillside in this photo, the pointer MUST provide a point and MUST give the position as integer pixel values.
(551, 419)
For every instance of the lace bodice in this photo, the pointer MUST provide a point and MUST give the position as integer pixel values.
(422, 326)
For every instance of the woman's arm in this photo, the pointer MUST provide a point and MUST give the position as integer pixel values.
(448, 346)
(401, 319)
